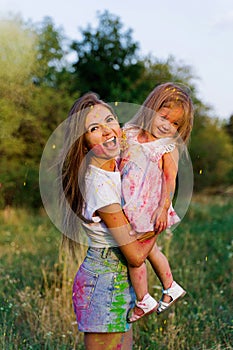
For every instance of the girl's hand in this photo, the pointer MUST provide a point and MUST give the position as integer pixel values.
(159, 217)
(141, 237)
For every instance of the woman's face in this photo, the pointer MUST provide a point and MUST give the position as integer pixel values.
(102, 132)
(167, 121)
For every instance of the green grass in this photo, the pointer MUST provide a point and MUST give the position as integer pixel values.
(36, 283)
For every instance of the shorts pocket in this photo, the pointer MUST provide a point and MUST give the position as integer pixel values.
(83, 288)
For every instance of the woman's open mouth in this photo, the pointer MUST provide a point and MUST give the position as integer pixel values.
(110, 143)
(108, 149)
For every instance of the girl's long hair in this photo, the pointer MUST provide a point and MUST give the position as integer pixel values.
(166, 95)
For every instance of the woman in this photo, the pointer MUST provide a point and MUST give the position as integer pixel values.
(102, 291)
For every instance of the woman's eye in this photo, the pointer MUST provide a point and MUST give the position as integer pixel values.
(111, 119)
(94, 128)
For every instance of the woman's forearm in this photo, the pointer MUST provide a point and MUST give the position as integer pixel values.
(134, 251)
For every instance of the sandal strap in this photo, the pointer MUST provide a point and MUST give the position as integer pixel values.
(147, 303)
(166, 291)
(163, 305)
(175, 292)
(169, 290)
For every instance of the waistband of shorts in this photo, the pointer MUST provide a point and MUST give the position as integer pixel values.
(108, 252)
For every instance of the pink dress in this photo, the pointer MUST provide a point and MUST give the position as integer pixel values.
(142, 180)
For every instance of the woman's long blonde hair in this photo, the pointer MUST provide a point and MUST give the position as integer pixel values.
(73, 165)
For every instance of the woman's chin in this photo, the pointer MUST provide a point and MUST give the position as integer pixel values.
(107, 152)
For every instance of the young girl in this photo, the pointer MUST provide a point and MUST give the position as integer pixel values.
(154, 138)
(102, 291)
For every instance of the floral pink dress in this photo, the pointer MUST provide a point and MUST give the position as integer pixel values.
(142, 180)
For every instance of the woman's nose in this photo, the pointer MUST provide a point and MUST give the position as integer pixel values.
(105, 129)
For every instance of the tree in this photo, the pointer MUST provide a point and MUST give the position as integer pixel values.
(50, 54)
(16, 67)
(17, 62)
(210, 151)
(38, 85)
(229, 127)
(157, 71)
(33, 101)
(109, 64)
(107, 60)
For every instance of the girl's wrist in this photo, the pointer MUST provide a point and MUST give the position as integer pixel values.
(163, 207)
(165, 204)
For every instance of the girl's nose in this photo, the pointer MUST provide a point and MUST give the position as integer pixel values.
(166, 125)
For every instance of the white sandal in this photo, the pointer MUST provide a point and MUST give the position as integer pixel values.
(175, 292)
(147, 304)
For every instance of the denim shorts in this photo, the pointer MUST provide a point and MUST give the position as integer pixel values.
(102, 292)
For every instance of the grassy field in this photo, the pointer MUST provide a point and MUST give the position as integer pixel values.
(36, 282)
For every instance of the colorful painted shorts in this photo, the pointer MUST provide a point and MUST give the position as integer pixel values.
(102, 292)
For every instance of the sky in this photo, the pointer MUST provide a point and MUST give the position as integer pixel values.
(196, 33)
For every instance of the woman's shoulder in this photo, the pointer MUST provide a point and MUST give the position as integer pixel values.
(98, 173)
(97, 178)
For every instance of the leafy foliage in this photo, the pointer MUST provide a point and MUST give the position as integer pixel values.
(107, 60)
(210, 151)
(32, 105)
(229, 127)
(39, 83)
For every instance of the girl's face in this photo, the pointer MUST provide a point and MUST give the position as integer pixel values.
(167, 121)
(102, 132)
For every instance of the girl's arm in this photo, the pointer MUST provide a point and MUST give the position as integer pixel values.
(134, 251)
(170, 168)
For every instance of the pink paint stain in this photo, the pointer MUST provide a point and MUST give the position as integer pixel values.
(168, 274)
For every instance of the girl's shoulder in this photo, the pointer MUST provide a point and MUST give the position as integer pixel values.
(129, 137)
(167, 143)
(131, 132)
(157, 148)
(161, 145)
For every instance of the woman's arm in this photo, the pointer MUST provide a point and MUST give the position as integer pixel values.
(134, 251)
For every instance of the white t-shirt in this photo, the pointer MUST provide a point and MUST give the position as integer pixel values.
(102, 188)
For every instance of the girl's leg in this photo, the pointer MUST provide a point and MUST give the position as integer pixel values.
(162, 269)
(138, 277)
(145, 303)
(108, 341)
